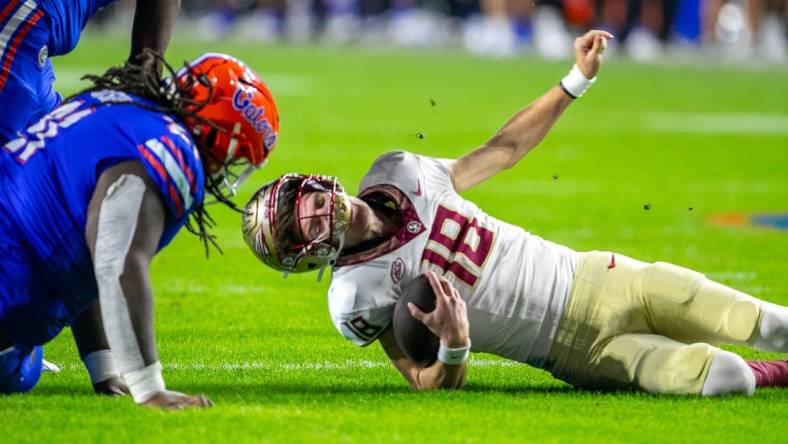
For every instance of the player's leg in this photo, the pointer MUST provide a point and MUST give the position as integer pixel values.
(606, 331)
(661, 365)
(26, 74)
(20, 369)
(687, 306)
(20, 365)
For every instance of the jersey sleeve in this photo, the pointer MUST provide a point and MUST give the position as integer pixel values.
(172, 162)
(355, 314)
(408, 171)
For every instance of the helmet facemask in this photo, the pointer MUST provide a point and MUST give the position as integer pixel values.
(278, 240)
(326, 246)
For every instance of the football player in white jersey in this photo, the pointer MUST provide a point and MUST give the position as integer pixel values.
(596, 320)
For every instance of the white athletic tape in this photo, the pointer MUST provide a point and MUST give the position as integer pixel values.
(575, 83)
(117, 224)
(453, 356)
(100, 366)
(145, 382)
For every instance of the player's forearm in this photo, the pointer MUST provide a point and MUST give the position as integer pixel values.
(138, 292)
(153, 24)
(510, 144)
(88, 331)
(440, 376)
(528, 128)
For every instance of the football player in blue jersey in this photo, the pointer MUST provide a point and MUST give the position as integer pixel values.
(30, 32)
(93, 190)
(33, 30)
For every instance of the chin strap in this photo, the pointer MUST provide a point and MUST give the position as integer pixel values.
(334, 258)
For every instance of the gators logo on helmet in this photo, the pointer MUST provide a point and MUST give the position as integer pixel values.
(237, 123)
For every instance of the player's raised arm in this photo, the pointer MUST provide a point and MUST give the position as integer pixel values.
(449, 321)
(153, 24)
(528, 127)
(124, 226)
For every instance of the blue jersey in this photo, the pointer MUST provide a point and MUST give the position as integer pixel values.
(67, 19)
(47, 178)
(31, 31)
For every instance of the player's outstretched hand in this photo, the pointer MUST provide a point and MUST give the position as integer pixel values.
(449, 320)
(171, 400)
(588, 51)
(111, 387)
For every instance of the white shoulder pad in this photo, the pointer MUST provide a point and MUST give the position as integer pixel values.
(404, 170)
(356, 313)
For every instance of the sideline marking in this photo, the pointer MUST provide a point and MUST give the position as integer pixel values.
(717, 123)
(777, 221)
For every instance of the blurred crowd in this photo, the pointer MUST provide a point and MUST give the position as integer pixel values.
(645, 30)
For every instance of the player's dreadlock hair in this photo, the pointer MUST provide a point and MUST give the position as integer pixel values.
(143, 78)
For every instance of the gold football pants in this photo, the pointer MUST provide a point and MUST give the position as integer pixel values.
(630, 324)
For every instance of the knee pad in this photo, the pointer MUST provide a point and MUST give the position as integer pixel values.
(734, 315)
(20, 370)
(670, 282)
(681, 370)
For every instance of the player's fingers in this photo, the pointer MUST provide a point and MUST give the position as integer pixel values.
(448, 289)
(437, 288)
(603, 44)
(595, 47)
(416, 312)
(601, 33)
(194, 401)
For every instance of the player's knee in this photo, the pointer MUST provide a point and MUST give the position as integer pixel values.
(20, 371)
(731, 314)
(728, 375)
(670, 282)
(773, 329)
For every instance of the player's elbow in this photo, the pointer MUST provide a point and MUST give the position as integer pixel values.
(436, 386)
(436, 383)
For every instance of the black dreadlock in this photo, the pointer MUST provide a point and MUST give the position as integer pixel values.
(143, 78)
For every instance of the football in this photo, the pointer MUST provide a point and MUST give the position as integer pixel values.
(413, 337)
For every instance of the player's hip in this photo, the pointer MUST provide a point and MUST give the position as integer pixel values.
(41, 295)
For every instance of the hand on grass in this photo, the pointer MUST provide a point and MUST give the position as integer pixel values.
(113, 386)
(171, 400)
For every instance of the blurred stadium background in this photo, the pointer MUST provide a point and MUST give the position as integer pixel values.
(645, 30)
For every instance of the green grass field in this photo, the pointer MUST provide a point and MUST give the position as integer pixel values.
(690, 142)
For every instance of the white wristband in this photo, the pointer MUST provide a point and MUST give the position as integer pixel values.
(575, 83)
(145, 382)
(100, 366)
(453, 356)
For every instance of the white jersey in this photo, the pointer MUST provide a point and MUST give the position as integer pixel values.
(515, 284)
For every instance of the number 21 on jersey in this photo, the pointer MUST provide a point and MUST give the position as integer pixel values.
(458, 245)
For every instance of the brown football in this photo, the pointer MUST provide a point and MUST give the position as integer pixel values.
(413, 337)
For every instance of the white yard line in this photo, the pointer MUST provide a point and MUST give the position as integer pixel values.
(717, 123)
(349, 364)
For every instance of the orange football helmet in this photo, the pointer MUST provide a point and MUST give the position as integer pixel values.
(235, 123)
